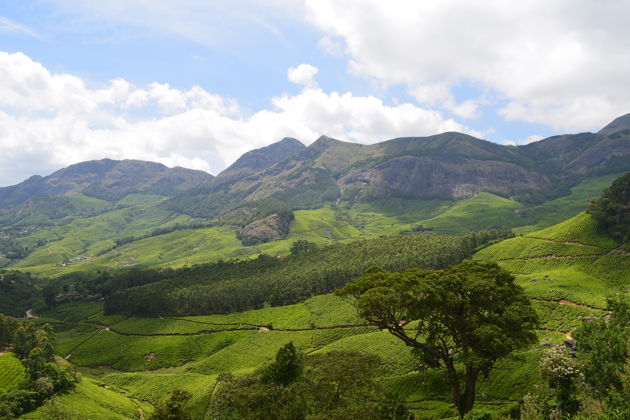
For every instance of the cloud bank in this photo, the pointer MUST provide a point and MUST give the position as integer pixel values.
(564, 63)
(49, 120)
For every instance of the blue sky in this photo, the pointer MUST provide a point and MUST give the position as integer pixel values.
(196, 83)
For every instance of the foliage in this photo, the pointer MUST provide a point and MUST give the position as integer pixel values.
(612, 209)
(335, 385)
(563, 375)
(44, 378)
(301, 246)
(174, 407)
(603, 349)
(8, 325)
(235, 286)
(18, 292)
(287, 367)
(471, 314)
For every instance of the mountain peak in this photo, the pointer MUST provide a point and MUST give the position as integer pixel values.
(258, 159)
(106, 179)
(618, 124)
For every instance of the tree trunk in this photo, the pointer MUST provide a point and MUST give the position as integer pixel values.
(468, 398)
(453, 380)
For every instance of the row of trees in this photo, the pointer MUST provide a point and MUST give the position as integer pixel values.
(34, 347)
(236, 286)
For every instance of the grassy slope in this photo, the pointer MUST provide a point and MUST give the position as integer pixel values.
(75, 237)
(482, 211)
(571, 261)
(568, 261)
(148, 367)
(560, 209)
(12, 372)
(135, 215)
(93, 400)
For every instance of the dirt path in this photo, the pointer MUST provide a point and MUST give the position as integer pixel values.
(208, 413)
(567, 334)
(567, 302)
(248, 327)
(552, 257)
(30, 314)
(564, 242)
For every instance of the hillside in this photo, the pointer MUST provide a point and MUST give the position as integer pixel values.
(449, 166)
(131, 363)
(572, 261)
(126, 213)
(567, 270)
(107, 180)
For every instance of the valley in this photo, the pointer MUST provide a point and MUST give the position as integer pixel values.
(155, 280)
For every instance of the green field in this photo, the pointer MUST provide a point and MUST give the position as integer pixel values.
(570, 261)
(137, 215)
(93, 400)
(12, 372)
(146, 358)
(129, 364)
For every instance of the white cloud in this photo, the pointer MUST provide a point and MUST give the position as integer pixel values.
(526, 140)
(304, 74)
(52, 120)
(8, 25)
(211, 23)
(563, 63)
(532, 138)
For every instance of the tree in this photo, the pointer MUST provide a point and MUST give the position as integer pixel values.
(287, 368)
(332, 386)
(302, 246)
(48, 293)
(604, 351)
(24, 340)
(612, 210)
(465, 318)
(174, 407)
(8, 325)
(563, 375)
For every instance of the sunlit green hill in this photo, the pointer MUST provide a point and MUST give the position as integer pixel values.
(572, 260)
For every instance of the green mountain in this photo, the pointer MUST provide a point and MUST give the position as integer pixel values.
(117, 214)
(107, 180)
(199, 327)
(450, 166)
(51, 197)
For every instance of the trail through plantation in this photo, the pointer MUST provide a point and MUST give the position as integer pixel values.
(566, 302)
(564, 242)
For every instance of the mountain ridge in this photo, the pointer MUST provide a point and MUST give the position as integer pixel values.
(106, 179)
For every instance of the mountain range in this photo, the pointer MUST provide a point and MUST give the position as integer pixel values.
(425, 176)
(451, 164)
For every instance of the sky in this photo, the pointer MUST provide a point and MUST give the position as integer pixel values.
(196, 83)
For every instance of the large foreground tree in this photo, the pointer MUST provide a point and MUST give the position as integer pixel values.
(463, 318)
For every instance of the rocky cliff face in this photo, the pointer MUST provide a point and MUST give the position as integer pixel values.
(448, 165)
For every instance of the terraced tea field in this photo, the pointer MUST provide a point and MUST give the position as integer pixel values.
(12, 372)
(570, 261)
(567, 270)
(143, 359)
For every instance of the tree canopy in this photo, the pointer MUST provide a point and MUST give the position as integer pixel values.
(463, 318)
(336, 385)
(612, 209)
